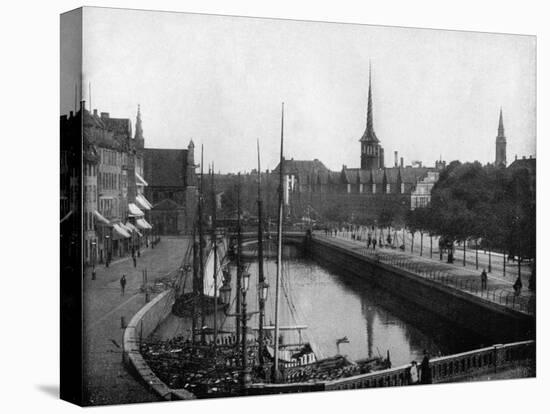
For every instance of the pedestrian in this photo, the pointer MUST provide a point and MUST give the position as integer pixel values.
(374, 244)
(425, 370)
(135, 260)
(483, 280)
(413, 373)
(369, 240)
(122, 284)
(517, 286)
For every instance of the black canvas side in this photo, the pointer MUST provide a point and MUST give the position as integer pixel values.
(71, 356)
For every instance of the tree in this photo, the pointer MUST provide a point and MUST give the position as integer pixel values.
(336, 213)
(493, 204)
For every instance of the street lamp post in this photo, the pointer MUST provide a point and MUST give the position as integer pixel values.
(107, 250)
(225, 297)
(245, 376)
(263, 288)
(94, 249)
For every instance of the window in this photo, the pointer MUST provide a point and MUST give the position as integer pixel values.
(349, 188)
(360, 188)
(402, 188)
(388, 188)
(374, 188)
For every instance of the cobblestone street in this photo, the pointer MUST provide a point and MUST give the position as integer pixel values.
(106, 379)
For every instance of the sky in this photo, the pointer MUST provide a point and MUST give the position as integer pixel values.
(220, 81)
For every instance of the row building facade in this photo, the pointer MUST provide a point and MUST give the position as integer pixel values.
(114, 207)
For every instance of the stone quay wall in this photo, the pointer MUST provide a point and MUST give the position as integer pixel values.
(144, 322)
(490, 320)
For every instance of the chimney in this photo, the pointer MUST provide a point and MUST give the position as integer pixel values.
(395, 158)
(95, 112)
(516, 158)
(71, 114)
(401, 164)
(82, 105)
(105, 115)
(523, 157)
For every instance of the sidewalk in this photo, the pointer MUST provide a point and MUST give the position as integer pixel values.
(499, 289)
(106, 380)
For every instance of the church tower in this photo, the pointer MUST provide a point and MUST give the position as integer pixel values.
(372, 153)
(138, 137)
(500, 144)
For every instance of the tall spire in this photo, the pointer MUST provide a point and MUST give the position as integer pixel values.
(500, 125)
(139, 128)
(369, 108)
(369, 134)
(500, 144)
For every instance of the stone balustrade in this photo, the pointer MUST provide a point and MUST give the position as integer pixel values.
(448, 368)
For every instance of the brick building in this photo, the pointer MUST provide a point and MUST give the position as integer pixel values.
(360, 194)
(172, 188)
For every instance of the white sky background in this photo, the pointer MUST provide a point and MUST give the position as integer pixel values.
(221, 80)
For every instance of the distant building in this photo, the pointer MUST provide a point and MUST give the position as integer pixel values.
(422, 193)
(170, 174)
(361, 194)
(530, 165)
(500, 144)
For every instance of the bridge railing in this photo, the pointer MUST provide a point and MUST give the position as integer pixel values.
(447, 368)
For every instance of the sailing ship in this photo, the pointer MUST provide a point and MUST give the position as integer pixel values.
(226, 362)
(197, 285)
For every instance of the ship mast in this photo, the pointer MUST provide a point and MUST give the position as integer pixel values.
(201, 251)
(261, 277)
(239, 264)
(215, 248)
(279, 251)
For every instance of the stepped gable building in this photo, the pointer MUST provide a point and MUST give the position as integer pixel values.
(500, 144)
(172, 188)
(364, 193)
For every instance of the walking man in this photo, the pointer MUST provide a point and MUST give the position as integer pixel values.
(374, 244)
(483, 280)
(517, 286)
(135, 260)
(425, 370)
(123, 284)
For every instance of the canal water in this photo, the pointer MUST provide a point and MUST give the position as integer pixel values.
(334, 305)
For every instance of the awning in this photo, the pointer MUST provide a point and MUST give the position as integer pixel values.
(140, 180)
(100, 218)
(119, 232)
(143, 203)
(134, 210)
(66, 216)
(133, 228)
(142, 224)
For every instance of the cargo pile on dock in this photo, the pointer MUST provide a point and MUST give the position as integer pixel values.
(196, 368)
